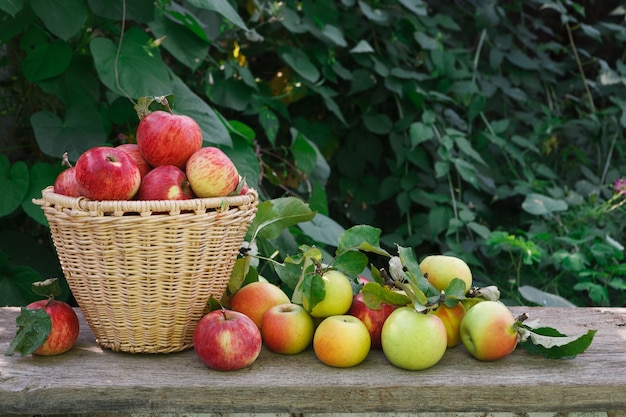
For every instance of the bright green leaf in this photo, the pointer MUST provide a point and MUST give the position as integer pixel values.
(351, 262)
(273, 216)
(361, 237)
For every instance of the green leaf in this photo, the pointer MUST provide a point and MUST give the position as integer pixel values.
(33, 329)
(141, 11)
(334, 34)
(222, 7)
(361, 237)
(64, 18)
(551, 343)
(182, 43)
(82, 129)
(375, 15)
(375, 294)
(14, 181)
(419, 133)
(270, 123)
(418, 7)
(322, 229)
(48, 288)
(379, 123)
(47, 60)
(41, 175)
(300, 63)
(273, 216)
(16, 280)
(362, 47)
(539, 204)
(12, 7)
(351, 262)
(543, 298)
(456, 288)
(141, 71)
(78, 85)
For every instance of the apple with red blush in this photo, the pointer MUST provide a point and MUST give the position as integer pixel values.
(227, 340)
(165, 138)
(132, 149)
(211, 173)
(165, 182)
(64, 330)
(372, 318)
(106, 173)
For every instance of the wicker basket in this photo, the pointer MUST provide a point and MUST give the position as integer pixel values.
(143, 271)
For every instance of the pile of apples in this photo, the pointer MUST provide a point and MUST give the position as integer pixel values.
(342, 328)
(168, 162)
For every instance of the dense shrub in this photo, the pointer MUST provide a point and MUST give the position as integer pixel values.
(489, 130)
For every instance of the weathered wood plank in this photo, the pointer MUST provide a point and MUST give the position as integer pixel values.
(90, 380)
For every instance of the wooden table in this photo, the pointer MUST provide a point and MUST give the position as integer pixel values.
(90, 380)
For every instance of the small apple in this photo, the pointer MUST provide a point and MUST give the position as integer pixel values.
(64, 330)
(338, 297)
(488, 331)
(413, 340)
(211, 173)
(451, 318)
(165, 182)
(226, 340)
(105, 173)
(441, 269)
(287, 329)
(168, 139)
(256, 298)
(132, 149)
(66, 184)
(373, 319)
(341, 341)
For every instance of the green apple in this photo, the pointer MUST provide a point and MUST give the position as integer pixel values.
(451, 318)
(256, 298)
(287, 329)
(413, 340)
(441, 269)
(488, 331)
(338, 297)
(341, 341)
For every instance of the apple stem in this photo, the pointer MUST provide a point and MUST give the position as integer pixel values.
(65, 161)
(224, 313)
(522, 317)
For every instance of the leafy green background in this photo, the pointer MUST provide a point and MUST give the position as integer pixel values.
(492, 131)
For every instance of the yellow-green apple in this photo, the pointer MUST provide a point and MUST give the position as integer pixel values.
(255, 298)
(211, 173)
(451, 318)
(168, 139)
(64, 330)
(65, 183)
(227, 340)
(105, 173)
(413, 340)
(337, 299)
(373, 319)
(341, 341)
(132, 149)
(488, 331)
(441, 269)
(165, 182)
(287, 329)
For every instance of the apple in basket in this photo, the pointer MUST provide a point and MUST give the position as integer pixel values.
(165, 182)
(132, 149)
(106, 173)
(168, 139)
(211, 173)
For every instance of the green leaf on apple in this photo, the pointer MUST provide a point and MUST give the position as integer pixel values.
(374, 295)
(455, 290)
(274, 216)
(47, 288)
(33, 329)
(551, 343)
(361, 237)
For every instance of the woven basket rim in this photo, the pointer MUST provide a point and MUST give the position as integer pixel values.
(82, 206)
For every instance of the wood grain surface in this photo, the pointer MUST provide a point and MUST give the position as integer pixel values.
(88, 379)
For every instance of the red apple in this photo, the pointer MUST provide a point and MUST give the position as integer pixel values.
(168, 139)
(256, 298)
(66, 184)
(132, 149)
(373, 319)
(287, 329)
(165, 182)
(227, 340)
(65, 327)
(105, 173)
(211, 173)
